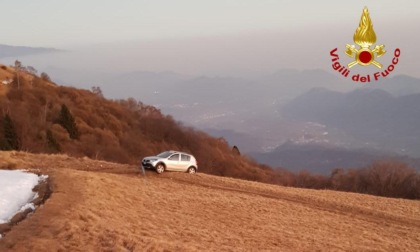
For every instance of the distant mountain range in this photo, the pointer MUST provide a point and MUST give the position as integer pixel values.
(200, 96)
(16, 51)
(399, 85)
(202, 100)
(282, 84)
(393, 123)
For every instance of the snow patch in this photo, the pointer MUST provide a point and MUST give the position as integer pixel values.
(27, 206)
(16, 192)
(42, 178)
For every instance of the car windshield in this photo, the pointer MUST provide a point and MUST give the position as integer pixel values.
(165, 154)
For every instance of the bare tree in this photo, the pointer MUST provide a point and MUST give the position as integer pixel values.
(18, 66)
(44, 76)
(31, 70)
(97, 91)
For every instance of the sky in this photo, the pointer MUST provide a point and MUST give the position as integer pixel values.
(219, 37)
(78, 22)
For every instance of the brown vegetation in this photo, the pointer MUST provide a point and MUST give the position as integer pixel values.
(122, 131)
(102, 206)
(383, 178)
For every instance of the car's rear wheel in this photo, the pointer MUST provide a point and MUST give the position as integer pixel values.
(160, 168)
(191, 170)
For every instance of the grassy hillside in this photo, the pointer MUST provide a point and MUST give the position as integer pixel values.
(115, 130)
(102, 206)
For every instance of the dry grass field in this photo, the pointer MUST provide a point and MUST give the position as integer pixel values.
(100, 206)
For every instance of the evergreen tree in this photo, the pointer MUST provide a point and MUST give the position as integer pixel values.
(66, 120)
(11, 140)
(235, 150)
(4, 145)
(52, 142)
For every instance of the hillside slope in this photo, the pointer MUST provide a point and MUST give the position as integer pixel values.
(121, 131)
(101, 206)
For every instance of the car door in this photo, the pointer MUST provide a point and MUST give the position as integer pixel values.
(173, 163)
(185, 162)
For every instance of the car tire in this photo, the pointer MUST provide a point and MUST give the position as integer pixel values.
(160, 168)
(191, 170)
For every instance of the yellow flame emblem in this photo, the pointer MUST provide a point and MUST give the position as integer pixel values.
(365, 37)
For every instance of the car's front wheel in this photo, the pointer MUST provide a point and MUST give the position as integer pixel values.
(191, 170)
(160, 168)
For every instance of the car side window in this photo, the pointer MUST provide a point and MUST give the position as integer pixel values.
(185, 158)
(174, 157)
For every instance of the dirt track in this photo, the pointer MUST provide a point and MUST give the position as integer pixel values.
(113, 208)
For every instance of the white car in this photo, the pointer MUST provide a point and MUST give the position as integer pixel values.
(171, 161)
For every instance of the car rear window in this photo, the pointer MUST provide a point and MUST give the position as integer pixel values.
(185, 158)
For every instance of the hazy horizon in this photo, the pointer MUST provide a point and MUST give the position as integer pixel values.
(236, 55)
(66, 24)
(218, 38)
